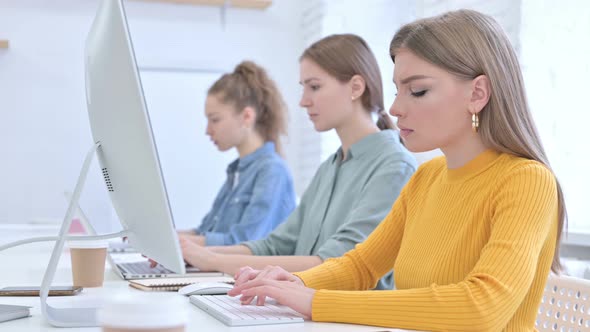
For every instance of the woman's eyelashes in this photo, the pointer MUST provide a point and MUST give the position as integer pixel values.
(418, 93)
(314, 87)
(415, 92)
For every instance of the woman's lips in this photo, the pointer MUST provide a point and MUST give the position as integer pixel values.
(405, 132)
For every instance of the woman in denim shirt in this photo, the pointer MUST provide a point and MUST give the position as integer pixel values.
(353, 189)
(245, 111)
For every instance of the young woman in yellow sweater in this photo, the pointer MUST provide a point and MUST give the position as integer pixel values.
(474, 234)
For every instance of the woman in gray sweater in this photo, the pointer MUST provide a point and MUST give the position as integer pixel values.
(353, 189)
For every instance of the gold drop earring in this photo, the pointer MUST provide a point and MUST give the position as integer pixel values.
(474, 122)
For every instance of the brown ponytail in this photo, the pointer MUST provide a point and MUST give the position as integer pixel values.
(250, 85)
(384, 121)
(343, 56)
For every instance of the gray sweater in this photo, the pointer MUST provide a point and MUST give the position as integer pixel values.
(344, 202)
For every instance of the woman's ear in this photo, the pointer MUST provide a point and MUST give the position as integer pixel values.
(248, 116)
(480, 93)
(357, 86)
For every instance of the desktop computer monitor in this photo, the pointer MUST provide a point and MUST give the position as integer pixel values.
(127, 155)
(120, 123)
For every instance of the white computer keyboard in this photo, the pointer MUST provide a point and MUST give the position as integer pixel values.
(231, 312)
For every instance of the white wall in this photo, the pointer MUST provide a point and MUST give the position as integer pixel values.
(556, 68)
(506, 12)
(44, 129)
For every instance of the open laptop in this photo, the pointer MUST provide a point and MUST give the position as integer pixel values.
(135, 266)
(129, 264)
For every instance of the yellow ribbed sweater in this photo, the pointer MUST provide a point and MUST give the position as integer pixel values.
(471, 249)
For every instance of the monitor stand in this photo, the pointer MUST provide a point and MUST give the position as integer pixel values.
(71, 317)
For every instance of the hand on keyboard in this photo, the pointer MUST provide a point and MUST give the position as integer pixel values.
(194, 253)
(276, 283)
(192, 237)
(247, 273)
(198, 256)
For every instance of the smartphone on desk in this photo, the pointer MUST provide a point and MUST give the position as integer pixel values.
(34, 291)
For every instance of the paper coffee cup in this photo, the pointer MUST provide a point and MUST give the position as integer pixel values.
(147, 312)
(88, 262)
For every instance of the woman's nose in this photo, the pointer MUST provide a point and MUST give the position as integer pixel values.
(304, 101)
(395, 109)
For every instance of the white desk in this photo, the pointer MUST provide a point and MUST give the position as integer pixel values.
(25, 265)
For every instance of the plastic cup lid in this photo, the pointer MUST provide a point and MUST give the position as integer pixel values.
(149, 310)
(90, 244)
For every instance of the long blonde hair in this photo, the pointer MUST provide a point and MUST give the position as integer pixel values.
(468, 44)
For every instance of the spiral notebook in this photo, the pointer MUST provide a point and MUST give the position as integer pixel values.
(174, 284)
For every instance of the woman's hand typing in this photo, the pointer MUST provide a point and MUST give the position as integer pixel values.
(276, 283)
(194, 254)
(197, 256)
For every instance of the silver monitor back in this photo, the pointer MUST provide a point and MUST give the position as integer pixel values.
(120, 123)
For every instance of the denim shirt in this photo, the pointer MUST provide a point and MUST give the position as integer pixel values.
(345, 201)
(256, 197)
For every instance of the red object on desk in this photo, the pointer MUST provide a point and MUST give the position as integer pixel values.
(76, 227)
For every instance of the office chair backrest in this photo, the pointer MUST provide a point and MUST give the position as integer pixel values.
(565, 305)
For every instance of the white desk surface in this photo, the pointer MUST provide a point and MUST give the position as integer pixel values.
(25, 266)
